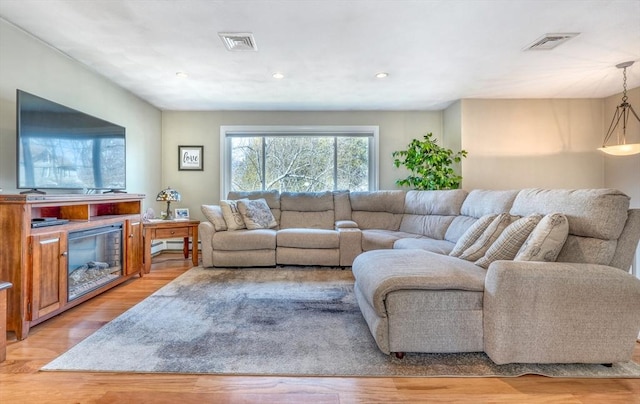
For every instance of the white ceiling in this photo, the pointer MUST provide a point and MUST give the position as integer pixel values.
(435, 51)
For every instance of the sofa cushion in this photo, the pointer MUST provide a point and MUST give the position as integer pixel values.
(272, 197)
(546, 240)
(587, 250)
(256, 214)
(412, 270)
(598, 213)
(459, 225)
(308, 238)
(232, 216)
(482, 202)
(342, 205)
(427, 244)
(306, 201)
(488, 237)
(241, 240)
(430, 213)
(512, 238)
(378, 201)
(377, 210)
(377, 239)
(442, 203)
(433, 226)
(377, 220)
(213, 213)
(472, 234)
(313, 210)
(290, 219)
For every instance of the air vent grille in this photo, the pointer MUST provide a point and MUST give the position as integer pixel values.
(550, 41)
(238, 41)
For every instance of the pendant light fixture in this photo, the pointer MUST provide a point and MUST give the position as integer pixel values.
(622, 148)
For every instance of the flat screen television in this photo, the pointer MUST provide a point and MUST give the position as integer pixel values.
(61, 148)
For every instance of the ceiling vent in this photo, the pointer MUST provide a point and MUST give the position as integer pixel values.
(550, 41)
(238, 41)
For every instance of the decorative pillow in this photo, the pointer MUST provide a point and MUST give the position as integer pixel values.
(471, 235)
(546, 240)
(491, 233)
(256, 214)
(213, 213)
(508, 244)
(232, 216)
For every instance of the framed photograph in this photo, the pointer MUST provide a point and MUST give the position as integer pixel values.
(190, 158)
(182, 213)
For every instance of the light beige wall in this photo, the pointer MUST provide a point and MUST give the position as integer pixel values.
(397, 129)
(623, 172)
(452, 129)
(532, 143)
(30, 65)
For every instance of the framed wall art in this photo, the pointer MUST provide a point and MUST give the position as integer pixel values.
(190, 158)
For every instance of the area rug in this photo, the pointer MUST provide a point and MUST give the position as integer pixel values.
(280, 321)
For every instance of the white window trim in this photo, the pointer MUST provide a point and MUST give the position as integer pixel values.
(330, 130)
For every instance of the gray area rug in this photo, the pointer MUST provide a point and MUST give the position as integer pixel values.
(281, 321)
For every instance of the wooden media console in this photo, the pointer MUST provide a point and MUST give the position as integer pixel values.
(36, 257)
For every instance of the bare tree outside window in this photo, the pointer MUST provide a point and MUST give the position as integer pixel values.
(300, 163)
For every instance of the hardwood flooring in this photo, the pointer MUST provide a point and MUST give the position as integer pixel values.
(21, 381)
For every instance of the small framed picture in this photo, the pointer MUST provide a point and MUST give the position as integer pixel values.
(182, 213)
(190, 158)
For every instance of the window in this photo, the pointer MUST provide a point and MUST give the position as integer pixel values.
(299, 159)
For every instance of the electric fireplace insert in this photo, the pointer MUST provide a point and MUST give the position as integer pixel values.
(95, 259)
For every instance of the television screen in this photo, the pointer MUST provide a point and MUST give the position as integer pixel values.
(61, 148)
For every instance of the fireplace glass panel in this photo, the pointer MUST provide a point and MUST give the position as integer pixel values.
(95, 259)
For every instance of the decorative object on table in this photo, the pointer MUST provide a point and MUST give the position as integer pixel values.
(182, 213)
(430, 165)
(149, 214)
(190, 158)
(169, 195)
(621, 148)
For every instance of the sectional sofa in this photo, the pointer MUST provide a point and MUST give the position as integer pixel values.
(424, 285)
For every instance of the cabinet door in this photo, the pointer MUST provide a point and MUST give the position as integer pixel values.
(48, 273)
(134, 247)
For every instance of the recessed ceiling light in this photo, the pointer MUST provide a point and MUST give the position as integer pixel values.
(278, 76)
(382, 75)
(182, 75)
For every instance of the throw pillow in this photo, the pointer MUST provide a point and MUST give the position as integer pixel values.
(546, 240)
(213, 213)
(508, 244)
(256, 214)
(488, 237)
(232, 216)
(471, 235)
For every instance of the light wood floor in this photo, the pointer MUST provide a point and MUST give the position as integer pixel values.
(21, 382)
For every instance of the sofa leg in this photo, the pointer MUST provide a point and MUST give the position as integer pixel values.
(400, 355)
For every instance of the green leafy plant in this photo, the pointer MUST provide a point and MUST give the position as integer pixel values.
(430, 165)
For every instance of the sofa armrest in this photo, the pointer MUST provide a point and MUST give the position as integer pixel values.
(539, 312)
(205, 233)
(346, 224)
(350, 244)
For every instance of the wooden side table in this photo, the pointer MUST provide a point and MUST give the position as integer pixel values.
(164, 229)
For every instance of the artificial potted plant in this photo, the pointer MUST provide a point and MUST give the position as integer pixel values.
(430, 165)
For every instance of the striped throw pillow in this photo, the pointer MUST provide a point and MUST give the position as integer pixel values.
(508, 244)
(471, 235)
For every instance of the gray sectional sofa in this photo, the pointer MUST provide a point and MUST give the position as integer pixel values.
(584, 307)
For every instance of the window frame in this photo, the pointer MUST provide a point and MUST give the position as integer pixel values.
(229, 131)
